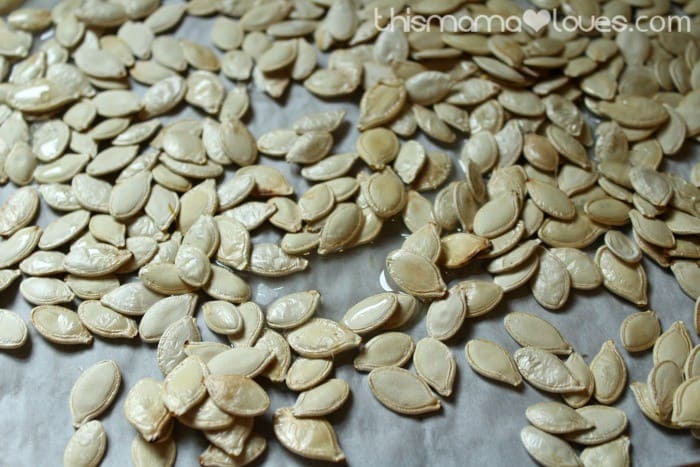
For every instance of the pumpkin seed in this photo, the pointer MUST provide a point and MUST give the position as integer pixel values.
(235, 439)
(307, 373)
(91, 289)
(183, 387)
(497, 216)
(321, 445)
(247, 361)
(145, 411)
(281, 354)
(87, 445)
(104, 322)
(435, 364)
(292, 310)
(622, 279)
(94, 391)
(14, 330)
(687, 273)
(59, 325)
(415, 274)
(377, 147)
(557, 418)
(492, 361)
(530, 330)
(18, 210)
(663, 381)
(321, 400)
(639, 331)
(445, 317)
(320, 338)
(222, 317)
(171, 345)
(402, 391)
(237, 395)
(95, 260)
(46, 291)
(616, 451)
(674, 345)
(548, 449)
(163, 313)
(545, 371)
(584, 273)
(145, 454)
(552, 284)
(609, 372)
(551, 200)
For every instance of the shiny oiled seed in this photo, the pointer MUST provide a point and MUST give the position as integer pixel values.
(685, 410)
(584, 273)
(46, 291)
(253, 323)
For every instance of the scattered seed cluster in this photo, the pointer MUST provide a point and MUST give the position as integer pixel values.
(136, 197)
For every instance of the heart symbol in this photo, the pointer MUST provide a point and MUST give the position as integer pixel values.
(536, 20)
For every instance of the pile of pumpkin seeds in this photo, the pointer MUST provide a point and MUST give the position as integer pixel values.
(540, 186)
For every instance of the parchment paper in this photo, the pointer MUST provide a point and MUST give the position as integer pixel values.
(478, 425)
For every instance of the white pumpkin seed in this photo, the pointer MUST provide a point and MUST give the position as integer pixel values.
(13, 332)
(609, 372)
(87, 445)
(548, 449)
(94, 391)
(59, 325)
(545, 371)
(145, 411)
(310, 438)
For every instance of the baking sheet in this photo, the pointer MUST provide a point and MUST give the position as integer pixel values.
(478, 425)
